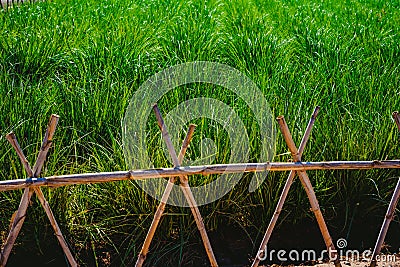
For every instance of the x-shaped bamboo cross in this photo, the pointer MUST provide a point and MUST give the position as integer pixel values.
(19, 216)
(285, 190)
(296, 155)
(305, 181)
(184, 184)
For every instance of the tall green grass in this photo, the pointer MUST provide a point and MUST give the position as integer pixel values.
(84, 60)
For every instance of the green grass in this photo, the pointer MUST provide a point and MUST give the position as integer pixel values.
(83, 60)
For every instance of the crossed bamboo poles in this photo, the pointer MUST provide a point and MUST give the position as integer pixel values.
(19, 216)
(184, 184)
(285, 191)
(305, 181)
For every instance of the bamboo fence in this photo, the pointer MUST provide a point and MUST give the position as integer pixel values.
(34, 182)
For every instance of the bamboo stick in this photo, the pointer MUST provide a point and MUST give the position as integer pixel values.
(396, 117)
(285, 190)
(19, 216)
(390, 211)
(12, 139)
(160, 209)
(47, 141)
(56, 228)
(310, 192)
(186, 189)
(16, 225)
(386, 222)
(186, 143)
(101, 177)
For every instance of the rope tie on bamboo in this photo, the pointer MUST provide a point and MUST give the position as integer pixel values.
(304, 169)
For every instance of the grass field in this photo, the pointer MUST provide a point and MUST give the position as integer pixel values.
(83, 60)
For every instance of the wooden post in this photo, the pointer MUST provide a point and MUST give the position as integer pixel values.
(390, 211)
(160, 209)
(184, 184)
(310, 192)
(285, 190)
(19, 215)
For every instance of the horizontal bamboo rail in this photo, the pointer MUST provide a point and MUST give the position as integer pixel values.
(101, 177)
